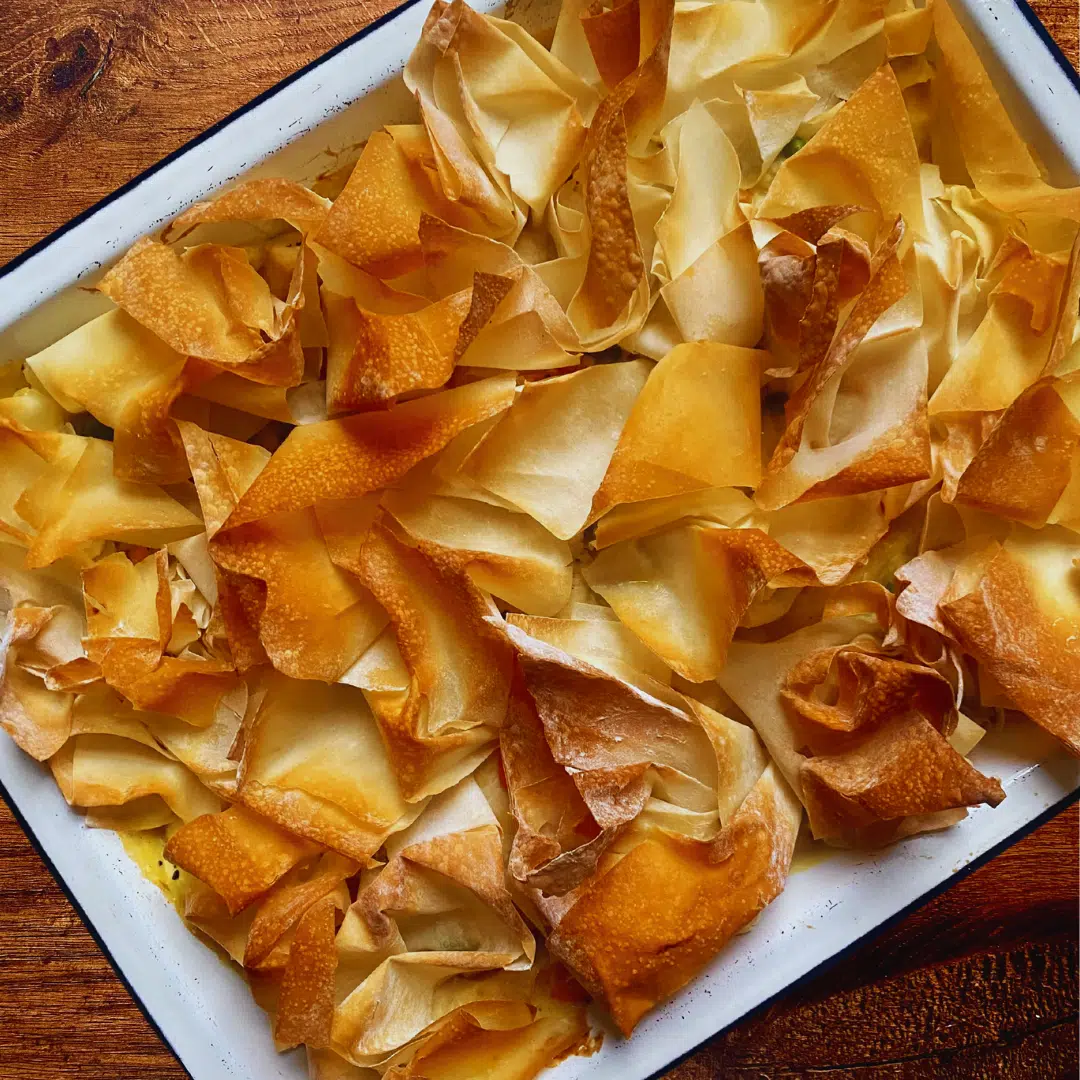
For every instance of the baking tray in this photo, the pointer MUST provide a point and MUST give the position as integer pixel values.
(307, 124)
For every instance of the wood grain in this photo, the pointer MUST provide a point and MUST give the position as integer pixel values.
(981, 982)
(1060, 17)
(94, 91)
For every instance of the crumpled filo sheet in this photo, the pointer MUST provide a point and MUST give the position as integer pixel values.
(477, 569)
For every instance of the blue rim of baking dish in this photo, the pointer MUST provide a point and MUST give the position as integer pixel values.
(1028, 827)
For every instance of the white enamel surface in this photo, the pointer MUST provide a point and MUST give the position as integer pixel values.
(204, 1008)
(1035, 90)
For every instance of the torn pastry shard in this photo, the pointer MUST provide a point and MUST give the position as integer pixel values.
(312, 619)
(648, 925)
(524, 112)
(613, 298)
(306, 1003)
(80, 499)
(129, 626)
(1020, 619)
(374, 222)
(314, 764)
(264, 199)
(557, 841)
(439, 729)
(526, 329)
(878, 764)
(466, 178)
(222, 468)
(574, 420)
(1027, 468)
(603, 774)
(128, 609)
(725, 506)
(392, 955)
(507, 554)
(705, 247)
(351, 456)
(900, 764)
(873, 160)
(808, 271)
(1017, 329)
(593, 633)
(373, 358)
(875, 379)
(683, 590)
(210, 303)
(695, 424)
(111, 760)
(35, 716)
(130, 387)
(237, 853)
(206, 750)
(302, 888)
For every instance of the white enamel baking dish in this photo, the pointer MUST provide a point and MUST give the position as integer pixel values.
(202, 1009)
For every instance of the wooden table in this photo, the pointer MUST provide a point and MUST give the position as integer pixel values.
(981, 982)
